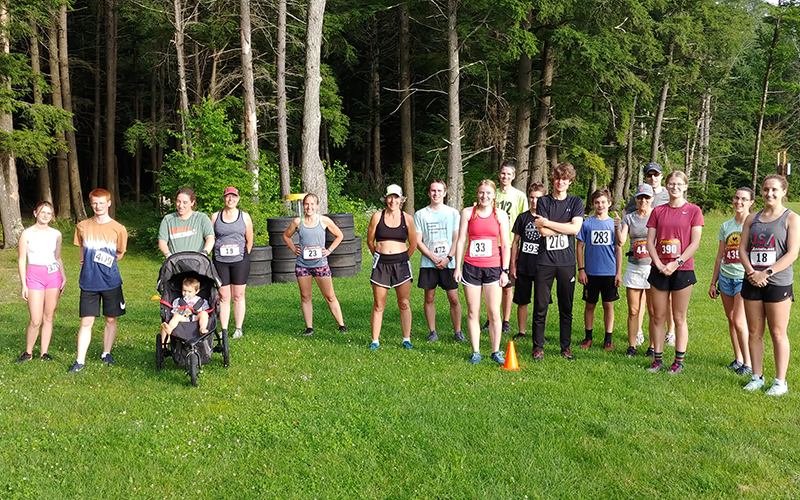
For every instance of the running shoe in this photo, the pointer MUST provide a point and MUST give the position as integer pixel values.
(46, 357)
(676, 368)
(476, 358)
(567, 354)
(485, 326)
(433, 337)
(520, 336)
(506, 327)
(373, 346)
(755, 383)
(735, 365)
(76, 367)
(586, 343)
(631, 352)
(309, 332)
(778, 388)
(538, 355)
(744, 370)
(639, 338)
(107, 359)
(459, 337)
(407, 344)
(498, 357)
(343, 329)
(23, 357)
(237, 334)
(650, 353)
(656, 367)
(670, 339)
(608, 346)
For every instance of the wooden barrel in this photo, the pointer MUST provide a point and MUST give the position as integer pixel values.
(260, 266)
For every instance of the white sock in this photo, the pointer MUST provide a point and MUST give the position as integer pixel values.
(81, 361)
(406, 339)
(376, 342)
(104, 354)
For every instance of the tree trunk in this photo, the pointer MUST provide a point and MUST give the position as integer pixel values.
(198, 75)
(539, 163)
(182, 90)
(153, 136)
(76, 193)
(629, 160)
(523, 119)
(280, 77)
(313, 172)
(9, 184)
(96, 153)
(662, 104)
(249, 96)
(375, 94)
(43, 172)
(63, 206)
(406, 148)
(692, 138)
(111, 101)
(455, 175)
(137, 156)
(704, 141)
(764, 94)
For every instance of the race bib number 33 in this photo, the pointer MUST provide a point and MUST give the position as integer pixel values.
(480, 248)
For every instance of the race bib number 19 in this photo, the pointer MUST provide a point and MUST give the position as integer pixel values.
(557, 242)
(230, 250)
(104, 258)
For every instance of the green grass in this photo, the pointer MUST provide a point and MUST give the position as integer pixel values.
(323, 417)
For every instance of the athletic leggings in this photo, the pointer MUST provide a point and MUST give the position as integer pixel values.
(565, 291)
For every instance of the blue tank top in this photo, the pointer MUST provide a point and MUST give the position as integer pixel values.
(312, 242)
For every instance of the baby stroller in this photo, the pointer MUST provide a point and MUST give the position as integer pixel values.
(188, 347)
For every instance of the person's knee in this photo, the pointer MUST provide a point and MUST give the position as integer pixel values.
(404, 304)
(111, 321)
(305, 296)
(430, 298)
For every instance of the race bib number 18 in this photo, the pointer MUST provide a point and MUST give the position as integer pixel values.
(762, 256)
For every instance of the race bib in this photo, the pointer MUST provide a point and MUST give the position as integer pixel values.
(52, 268)
(312, 252)
(229, 250)
(762, 256)
(104, 258)
(557, 242)
(640, 250)
(440, 248)
(531, 248)
(375, 258)
(732, 256)
(601, 237)
(669, 249)
(480, 248)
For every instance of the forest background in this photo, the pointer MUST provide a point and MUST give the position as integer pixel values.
(143, 96)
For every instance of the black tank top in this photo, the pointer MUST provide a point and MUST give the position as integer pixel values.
(386, 233)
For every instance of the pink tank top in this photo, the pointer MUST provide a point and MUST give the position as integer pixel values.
(484, 232)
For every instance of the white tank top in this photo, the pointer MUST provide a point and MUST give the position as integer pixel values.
(42, 246)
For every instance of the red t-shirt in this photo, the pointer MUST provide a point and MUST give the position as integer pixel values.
(483, 249)
(673, 227)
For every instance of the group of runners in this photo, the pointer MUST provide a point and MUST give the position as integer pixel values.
(507, 248)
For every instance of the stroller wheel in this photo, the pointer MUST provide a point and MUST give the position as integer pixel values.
(226, 355)
(194, 361)
(159, 353)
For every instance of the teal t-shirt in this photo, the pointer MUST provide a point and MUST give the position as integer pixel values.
(437, 228)
(185, 235)
(731, 234)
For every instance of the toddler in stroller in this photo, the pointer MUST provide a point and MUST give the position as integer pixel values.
(189, 343)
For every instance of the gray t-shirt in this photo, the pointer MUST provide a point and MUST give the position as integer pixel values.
(661, 198)
(637, 233)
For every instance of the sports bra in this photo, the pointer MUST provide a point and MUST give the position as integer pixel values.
(386, 233)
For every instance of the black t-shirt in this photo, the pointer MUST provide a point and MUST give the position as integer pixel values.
(529, 239)
(558, 250)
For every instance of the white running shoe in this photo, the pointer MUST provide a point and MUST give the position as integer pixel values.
(639, 339)
(756, 382)
(778, 388)
(670, 339)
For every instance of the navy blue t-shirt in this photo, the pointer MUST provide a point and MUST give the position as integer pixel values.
(559, 249)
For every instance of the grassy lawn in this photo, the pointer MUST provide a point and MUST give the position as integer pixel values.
(323, 417)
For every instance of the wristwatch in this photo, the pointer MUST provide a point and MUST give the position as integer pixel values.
(449, 258)
(769, 272)
(504, 271)
(680, 262)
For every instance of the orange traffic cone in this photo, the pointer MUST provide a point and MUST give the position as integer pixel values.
(511, 357)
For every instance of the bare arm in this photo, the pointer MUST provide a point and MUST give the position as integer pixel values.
(569, 228)
(22, 259)
(373, 226)
(287, 235)
(505, 246)
(712, 290)
(248, 232)
(412, 230)
(462, 241)
(514, 256)
(338, 236)
(579, 248)
(59, 240)
(618, 277)
(163, 247)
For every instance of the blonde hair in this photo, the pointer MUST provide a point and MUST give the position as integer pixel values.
(680, 175)
(192, 282)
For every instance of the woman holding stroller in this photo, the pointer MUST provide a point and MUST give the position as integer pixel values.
(185, 230)
(233, 230)
(43, 280)
(312, 260)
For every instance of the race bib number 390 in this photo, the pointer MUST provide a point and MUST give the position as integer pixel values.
(669, 249)
(557, 242)
(480, 248)
(104, 258)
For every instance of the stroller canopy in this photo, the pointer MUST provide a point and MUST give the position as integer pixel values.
(186, 262)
